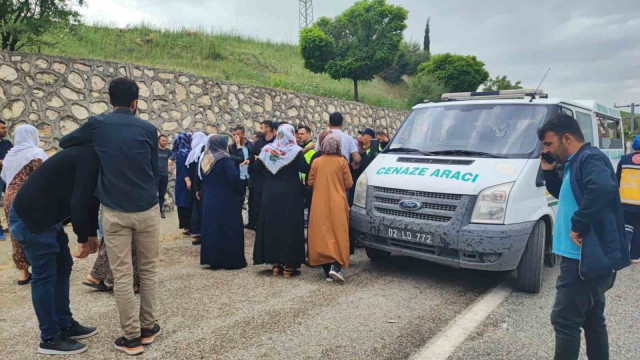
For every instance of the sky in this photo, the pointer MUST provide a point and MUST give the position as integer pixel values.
(592, 46)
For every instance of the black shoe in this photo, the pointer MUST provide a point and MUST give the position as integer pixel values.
(77, 331)
(336, 274)
(162, 215)
(149, 335)
(61, 345)
(131, 347)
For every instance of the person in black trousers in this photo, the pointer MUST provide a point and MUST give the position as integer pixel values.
(256, 177)
(163, 171)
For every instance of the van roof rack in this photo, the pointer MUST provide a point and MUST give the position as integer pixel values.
(491, 95)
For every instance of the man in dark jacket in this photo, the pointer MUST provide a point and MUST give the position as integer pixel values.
(61, 189)
(589, 234)
(256, 179)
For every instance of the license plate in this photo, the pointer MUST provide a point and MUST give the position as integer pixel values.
(416, 236)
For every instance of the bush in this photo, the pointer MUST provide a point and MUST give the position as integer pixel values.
(425, 87)
(457, 72)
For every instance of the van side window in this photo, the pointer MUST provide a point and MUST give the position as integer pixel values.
(584, 120)
(609, 134)
(566, 111)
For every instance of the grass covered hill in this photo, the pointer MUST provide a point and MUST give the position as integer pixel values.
(220, 56)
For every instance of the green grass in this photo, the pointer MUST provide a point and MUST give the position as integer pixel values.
(221, 56)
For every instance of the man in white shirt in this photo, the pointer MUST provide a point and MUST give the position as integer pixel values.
(349, 145)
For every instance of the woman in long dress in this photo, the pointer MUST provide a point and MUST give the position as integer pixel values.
(22, 160)
(330, 179)
(181, 149)
(280, 230)
(198, 143)
(222, 229)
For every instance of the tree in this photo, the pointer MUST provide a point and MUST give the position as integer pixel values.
(425, 87)
(409, 59)
(357, 44)
(24, 22)
(457, 73)
(501, 83)
(426, 43)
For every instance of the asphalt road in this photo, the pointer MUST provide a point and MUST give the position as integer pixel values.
(387, 310)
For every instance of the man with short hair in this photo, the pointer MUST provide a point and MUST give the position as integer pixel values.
(61, 189)
(163, 171)
(5, 146)
(128, 150)
(256, 179)
(589, 235)
(349, 146)
(303, 137)
(383, 139)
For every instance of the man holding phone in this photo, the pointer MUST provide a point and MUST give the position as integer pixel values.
(589, 235)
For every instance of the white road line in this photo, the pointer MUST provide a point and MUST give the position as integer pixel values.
(446, 342)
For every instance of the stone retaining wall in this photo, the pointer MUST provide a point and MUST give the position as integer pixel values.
(57, 94)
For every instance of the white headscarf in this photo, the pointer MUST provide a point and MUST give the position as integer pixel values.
(198, 142)
(27, 148)
(282, 151)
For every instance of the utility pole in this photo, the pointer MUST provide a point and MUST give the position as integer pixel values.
(305, 8)
(633, 113)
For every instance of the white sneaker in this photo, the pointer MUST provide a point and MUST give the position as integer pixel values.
(329, 279)
(336, 274)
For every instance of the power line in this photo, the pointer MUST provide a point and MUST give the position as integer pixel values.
(633, 113)
(305, 8)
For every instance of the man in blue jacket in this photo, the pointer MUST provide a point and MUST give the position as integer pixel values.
(589, 235)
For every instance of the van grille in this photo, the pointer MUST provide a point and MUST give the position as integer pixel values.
(436, 207)
(425, 205)
(414, 215)
(454, 197)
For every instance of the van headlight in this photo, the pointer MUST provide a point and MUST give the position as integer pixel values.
(360, 196)
(491, 205)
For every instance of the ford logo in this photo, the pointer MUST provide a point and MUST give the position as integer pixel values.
(410, 205)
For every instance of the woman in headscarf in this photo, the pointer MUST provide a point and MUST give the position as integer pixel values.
(198, 144)
(330, 179)
(280, 230)
(22, 160)
(181, 150)
(222, 230)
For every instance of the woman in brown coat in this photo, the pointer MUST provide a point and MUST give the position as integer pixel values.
(330, 179)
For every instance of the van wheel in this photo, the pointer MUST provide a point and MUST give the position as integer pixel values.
(529, 277)
(375, 254)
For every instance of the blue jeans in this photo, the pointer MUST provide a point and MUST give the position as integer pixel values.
(51, 263)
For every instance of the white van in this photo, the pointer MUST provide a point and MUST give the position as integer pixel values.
(460, 184)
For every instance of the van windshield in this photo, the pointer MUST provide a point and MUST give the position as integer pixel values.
(491, 130)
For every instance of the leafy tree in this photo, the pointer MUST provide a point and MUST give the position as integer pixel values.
(425, 87)
(24, 22)
(409, 59)
(426, 43)
(500, 83)
(457, 73)
(356, 45)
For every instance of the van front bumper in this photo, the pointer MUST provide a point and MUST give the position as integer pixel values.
(471, 246)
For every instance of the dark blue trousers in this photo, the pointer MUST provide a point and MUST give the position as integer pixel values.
(51, 263)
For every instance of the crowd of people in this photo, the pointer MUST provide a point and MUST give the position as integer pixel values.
(110, 181)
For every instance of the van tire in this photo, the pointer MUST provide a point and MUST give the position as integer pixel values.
(375, 254)
(529, 278)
